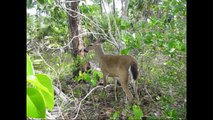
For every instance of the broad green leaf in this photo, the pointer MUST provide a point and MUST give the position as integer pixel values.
(34, 81)
(35, 104)
(100, 74)
(97, 74)
(50, 1)
(137, 112)
(45, 81)
(86, 77)
(30, 70)
(48, 96)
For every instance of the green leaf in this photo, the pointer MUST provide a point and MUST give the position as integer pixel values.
(29, 3)
(125, 51)
(115, 115)
(87, 77)
(94, 82)
(41, 1)
(100, 74)
(50, 2)
(30, 70)
(35, 104)
(48, 96)
(97, 74)
(137, 112)
(34, 81)
(84, 9)
(125, 24)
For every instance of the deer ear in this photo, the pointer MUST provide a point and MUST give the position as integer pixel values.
(100, 40)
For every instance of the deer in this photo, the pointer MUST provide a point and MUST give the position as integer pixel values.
(116, 66)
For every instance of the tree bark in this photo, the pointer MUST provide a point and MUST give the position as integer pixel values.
(122, 8)
(124, 12)
(114, 7)
(101, 6)
(77, 42)
(74, 24)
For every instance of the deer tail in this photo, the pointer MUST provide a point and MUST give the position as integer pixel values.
(134, 69)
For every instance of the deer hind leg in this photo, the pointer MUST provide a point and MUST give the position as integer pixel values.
(135, 88)
(124, 84)
(105, 77)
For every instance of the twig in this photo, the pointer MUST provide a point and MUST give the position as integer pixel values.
(87, 96)
(109, 28)
(59, 110)
(51, 68)
(152, 98)
(78, 13)
(71, 1)
(149, 95)
(85, 33)
(60, 94)
(116, 26)
(49, 116)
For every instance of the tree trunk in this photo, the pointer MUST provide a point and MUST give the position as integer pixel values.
(101, 6)
(74, 24)
(114, 7)
(124, 12)
(77, 42)
(122, 8)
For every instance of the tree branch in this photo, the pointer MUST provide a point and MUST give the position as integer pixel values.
(109, 28)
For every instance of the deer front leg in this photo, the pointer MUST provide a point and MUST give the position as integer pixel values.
(116, 98)
(105, 78)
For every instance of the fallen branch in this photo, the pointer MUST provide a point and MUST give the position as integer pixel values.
(61, 94)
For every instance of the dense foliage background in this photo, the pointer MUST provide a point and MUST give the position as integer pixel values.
(153, 31)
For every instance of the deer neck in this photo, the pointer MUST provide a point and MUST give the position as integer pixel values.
(99, 52)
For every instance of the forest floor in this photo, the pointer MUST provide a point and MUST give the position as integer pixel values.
(158, 99)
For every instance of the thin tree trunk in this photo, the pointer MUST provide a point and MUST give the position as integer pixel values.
(77, 42)
(122, 6)
(74, 24)
(124, 12)
(114, 7)
(101, 6)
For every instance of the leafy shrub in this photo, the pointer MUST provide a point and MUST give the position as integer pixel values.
(40, 93)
